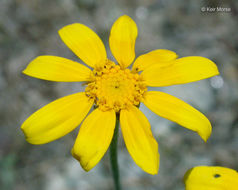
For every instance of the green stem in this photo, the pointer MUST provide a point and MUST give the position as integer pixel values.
(113, 156)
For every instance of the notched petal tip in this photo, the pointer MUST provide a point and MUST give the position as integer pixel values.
(151, 168)
(94, 138)
(153, 172)
(24, 72)
(205, 136)
(29, 139)
(206, 131)
(23, 129)
(154, 169)
(78, 157)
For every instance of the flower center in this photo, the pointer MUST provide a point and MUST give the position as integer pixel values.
(115, 88)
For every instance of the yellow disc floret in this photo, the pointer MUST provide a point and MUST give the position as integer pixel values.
(115, 88)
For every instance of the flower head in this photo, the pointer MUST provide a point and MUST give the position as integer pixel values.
(114, 89)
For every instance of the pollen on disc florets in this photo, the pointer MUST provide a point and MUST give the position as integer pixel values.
(115, 88)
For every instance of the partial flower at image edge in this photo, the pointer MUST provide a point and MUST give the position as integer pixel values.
(211, 177)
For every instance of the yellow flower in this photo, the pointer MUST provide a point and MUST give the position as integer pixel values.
(211, 178)
(114, 89)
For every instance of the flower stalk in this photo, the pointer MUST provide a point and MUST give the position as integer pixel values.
(113, 156)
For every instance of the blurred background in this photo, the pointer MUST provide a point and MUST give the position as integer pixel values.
(29, 28)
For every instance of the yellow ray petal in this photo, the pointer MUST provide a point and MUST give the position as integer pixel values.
(161, 57)
(139, 140)
(211, 178)
(58, 69)
(56, 119)
(178, 111)
(122, 40)
(85, 43)
(183, 70)
(94, 138)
